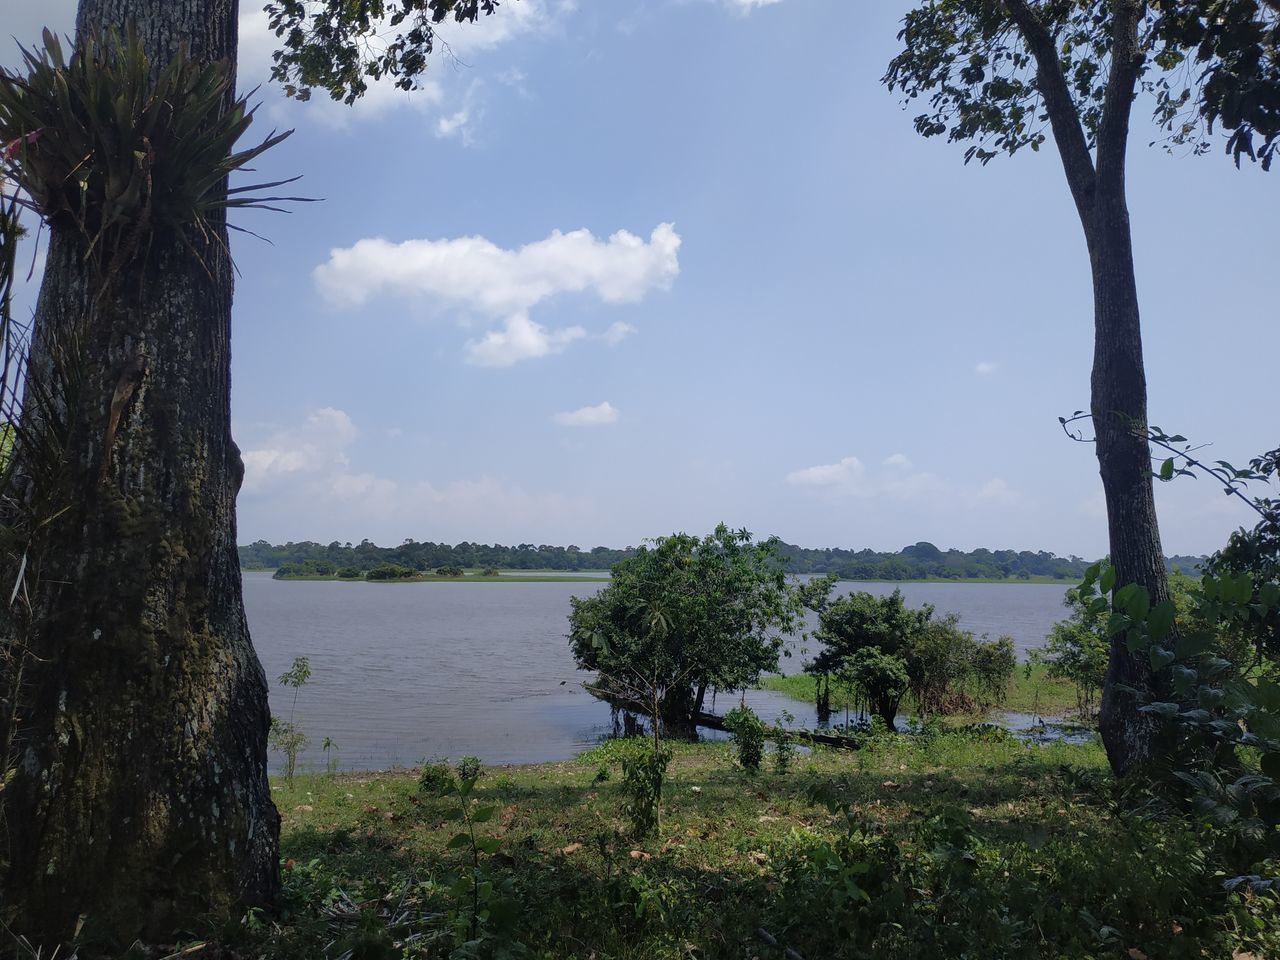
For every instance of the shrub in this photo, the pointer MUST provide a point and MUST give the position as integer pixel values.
(390, 571)
(784, 745)
(644, 768)
(747, 733)
(992, 668)
(469, 768)
(434, 777)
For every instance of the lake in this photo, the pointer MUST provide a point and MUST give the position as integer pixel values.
(403, 671)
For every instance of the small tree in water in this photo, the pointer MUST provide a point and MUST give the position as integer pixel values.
(683, 616)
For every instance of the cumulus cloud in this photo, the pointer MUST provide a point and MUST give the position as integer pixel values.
(475, 277)
(984, 368)
(850, 477)
(746, 6)
(602, 414)
(519, 339)
(475, 273)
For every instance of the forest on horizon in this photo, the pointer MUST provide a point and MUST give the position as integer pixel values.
(919, 561)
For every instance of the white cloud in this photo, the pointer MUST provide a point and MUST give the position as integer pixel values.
(600, 415)
(474, 276)
(477, 274)
(519, 339)
(453, 124)
(618, 331)
(461, 124)
(746, 6)
(300, 481)
(849, 472)
(984, 368)
(997, 491)
(850, 477)
(317, 446)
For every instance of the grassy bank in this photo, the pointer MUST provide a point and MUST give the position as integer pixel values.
(1029, 692)
(948, 848)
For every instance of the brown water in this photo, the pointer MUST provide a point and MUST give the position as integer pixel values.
(405, 671)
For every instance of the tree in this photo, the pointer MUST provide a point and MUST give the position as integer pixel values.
(1004, 74)
(135, 723)
(682, 616)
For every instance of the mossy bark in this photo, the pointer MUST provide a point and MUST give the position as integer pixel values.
(139, 799)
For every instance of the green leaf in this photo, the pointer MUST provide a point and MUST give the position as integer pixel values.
(482, 814)
(1193, 644)
(1160, 658)
(1139, 604)
(489, 844)
(458, 841)
(1271, 765)
(1166, 469)
(1160, 620)
(1108, 581)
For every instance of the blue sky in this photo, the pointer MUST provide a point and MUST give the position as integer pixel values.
(633, 266)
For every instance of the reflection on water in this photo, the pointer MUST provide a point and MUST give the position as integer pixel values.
(403, 671)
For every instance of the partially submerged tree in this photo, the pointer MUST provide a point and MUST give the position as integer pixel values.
(1007, 74)
(683, 616)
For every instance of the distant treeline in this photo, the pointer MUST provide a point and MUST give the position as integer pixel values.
(920, 561)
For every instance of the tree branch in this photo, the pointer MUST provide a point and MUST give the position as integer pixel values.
(1068, 134)
(1126, 63)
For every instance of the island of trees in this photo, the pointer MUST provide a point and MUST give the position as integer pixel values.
(919, 561)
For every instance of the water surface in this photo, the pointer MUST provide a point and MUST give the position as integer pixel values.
(403, 671)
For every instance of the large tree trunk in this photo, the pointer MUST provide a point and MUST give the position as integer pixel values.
(139, 798)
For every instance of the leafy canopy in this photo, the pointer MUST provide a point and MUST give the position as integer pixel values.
(1204, 63)
(341, 45)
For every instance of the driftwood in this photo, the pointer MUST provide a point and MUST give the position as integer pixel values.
(715, 722)
(769, 940)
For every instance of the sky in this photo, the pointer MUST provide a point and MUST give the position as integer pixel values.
(627, 267)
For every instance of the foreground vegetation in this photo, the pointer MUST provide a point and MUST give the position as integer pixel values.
(962, 844)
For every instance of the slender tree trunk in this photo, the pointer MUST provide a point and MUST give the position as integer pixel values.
(140, 799)
(1119, 408)
(1118, 399)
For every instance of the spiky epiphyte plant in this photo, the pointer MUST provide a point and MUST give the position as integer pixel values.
(98, 141)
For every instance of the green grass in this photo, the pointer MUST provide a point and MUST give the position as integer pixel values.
(1047, 859)
(1029, 692)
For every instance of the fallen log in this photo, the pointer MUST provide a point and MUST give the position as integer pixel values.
(714, 722)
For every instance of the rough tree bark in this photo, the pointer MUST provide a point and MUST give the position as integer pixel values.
(1118, 401)
(140, 797)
